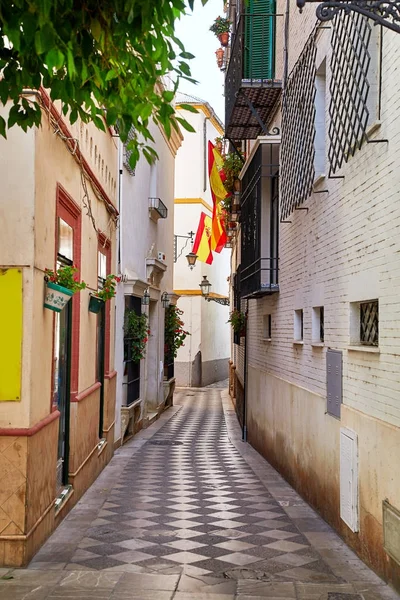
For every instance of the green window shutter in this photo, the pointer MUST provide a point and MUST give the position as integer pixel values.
(259, 40)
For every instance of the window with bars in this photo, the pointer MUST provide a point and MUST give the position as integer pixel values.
(354, 85)
(369, 323)
(298, 131)
(236, 301)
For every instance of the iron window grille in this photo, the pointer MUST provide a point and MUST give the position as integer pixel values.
(159, 206)
(128, 153)
(298, 127)
(169, 360)
(260, 223)
(349, 87)
(369, 323)
(236, 301)
(131, 366)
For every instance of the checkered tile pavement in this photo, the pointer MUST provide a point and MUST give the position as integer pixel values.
(188, 498)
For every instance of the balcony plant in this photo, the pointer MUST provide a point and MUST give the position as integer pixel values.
(237, 319)
(62, 284)
(220, 28)
(136, 333)
(175, 335)
(97, 299)
(219, 53)
(233, 164)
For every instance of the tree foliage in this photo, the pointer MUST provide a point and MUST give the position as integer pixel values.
(103, 60)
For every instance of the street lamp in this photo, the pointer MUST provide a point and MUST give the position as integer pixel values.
(382, 12)
(146, 297)
(205, 287)
(191, 257)
(165, 300)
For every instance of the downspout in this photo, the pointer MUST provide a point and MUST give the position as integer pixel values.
(205, 170)
(286, 48)
(244, 427)
(121, 216)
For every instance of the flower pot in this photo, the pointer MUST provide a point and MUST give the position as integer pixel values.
(95, 304)
(224, 38)
(236, 185)
(56, 297)
(220, 61)
(243, 332)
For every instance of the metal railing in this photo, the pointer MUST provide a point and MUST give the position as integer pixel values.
(260, 277)
(252, 59)
(159, 206)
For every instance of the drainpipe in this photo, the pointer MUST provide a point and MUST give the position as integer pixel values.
(205, 170)
(121, 214)
(286, 47)
(244, 427)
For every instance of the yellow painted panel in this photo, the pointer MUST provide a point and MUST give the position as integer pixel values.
(10, 334)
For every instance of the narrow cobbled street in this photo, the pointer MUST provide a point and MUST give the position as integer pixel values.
(188, 511)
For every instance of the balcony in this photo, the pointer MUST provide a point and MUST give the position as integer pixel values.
(251, 90)
(260, 220)
(157, 209)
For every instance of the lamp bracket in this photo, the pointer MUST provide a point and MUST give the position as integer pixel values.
(382, 12)
(184, 237)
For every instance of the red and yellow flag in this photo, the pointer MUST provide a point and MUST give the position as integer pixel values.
(218, 193)
(202, 241)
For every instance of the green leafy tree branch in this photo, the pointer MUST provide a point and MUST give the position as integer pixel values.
(103, 60)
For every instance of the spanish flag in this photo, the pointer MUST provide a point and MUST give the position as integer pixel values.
(218, 193)
(202, 241)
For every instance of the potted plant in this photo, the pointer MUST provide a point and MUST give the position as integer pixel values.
(220, 61)
(220, 28)
(175, 335)
(136, 332)
(61, 286)
(233, 164)
(238, 321)
(97, 299)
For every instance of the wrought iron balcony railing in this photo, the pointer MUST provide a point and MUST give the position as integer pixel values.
(157, 209)
(260, 222)
(251, 89)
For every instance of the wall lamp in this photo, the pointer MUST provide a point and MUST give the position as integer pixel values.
(191, 257)
(165, 300)
(205, 287)
(146, 297)
(382, 12)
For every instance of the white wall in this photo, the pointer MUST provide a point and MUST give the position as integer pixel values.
(207, 321)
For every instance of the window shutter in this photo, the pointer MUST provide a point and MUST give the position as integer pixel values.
(259, 40)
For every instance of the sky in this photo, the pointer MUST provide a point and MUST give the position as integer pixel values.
(193, 31)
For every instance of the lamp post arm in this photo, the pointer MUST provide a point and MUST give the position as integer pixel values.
(382, 12)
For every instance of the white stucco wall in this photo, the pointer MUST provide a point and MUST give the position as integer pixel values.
(207, 321)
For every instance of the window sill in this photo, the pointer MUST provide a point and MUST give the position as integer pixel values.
(373, 128)
(298, 343)
(320, 178)
(318, 344)
(370, 349)
(266, 339)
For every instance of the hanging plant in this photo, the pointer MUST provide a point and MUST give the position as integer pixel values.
(109, 288)
(136, 331)
(238, 321)
(61, 285)
(233, 164)
(175, 335)
(220, 25)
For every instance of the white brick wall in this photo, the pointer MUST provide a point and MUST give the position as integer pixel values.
(347, 244)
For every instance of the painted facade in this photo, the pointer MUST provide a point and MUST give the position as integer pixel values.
(204, 357)
(338, 253)
(145, 388)
(57, 388)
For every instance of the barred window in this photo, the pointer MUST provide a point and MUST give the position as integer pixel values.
(128, 153)
(369, 323)
(354, 85)
(298, 131)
